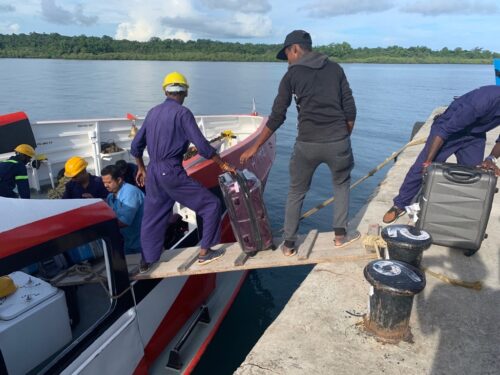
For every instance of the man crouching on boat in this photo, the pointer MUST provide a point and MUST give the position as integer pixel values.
(82, 183)
(13, 173)
(127, 201)
(167, 131)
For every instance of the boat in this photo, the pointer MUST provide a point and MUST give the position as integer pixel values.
(107, 324)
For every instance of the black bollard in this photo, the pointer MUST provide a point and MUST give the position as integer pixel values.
(394, 284)
(406, 243)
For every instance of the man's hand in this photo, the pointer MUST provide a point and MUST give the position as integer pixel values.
(226, 167)
(425, 165)
(87, 195)
(140, 177)
(248, 154)
(350, 126)
(489, 165)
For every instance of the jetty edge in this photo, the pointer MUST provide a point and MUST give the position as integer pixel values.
(455, 330)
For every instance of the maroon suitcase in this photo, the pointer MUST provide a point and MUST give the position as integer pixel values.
(242, 194)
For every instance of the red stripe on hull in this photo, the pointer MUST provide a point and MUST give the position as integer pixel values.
(12, 117)
(211, 335)
(40, 231)
(194, 292)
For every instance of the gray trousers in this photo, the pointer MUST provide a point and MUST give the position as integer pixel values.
(306, 157)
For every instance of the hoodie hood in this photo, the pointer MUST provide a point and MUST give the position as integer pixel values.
(313, 60)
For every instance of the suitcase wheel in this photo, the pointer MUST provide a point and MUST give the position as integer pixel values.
(469, 253)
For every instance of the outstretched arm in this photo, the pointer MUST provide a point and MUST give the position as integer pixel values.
(263, 137)
(436, 145)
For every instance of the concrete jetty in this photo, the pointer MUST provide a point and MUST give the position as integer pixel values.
(455, 330)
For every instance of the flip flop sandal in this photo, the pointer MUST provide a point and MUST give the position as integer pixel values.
(210, 256)
(348, 239)
(288, 251)
(393, 214)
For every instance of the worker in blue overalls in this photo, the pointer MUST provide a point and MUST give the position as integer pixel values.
(167, 131)
(13, 173)
(460, 130)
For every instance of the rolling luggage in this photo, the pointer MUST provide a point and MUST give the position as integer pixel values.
(455, 205)
(242, 194)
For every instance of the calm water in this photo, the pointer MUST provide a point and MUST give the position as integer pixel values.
(390, 98)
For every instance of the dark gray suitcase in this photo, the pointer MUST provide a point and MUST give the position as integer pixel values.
(455, 204)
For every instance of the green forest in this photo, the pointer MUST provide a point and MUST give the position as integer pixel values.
(56, 46)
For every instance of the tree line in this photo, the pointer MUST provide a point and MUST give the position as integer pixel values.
(56, 46)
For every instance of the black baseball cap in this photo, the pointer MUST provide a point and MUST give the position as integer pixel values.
(295, 37)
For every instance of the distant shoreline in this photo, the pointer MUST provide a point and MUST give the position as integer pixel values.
(374, 60)
(55, 46)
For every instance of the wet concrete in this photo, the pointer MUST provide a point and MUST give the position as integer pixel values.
(455, 330)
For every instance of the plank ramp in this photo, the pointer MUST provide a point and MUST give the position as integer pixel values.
(312, 248)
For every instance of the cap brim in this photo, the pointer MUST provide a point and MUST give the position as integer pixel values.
(281, 54)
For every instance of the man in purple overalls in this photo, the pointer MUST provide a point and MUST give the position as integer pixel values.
(460, 130)
(167, 131)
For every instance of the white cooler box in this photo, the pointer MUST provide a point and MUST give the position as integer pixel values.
(34, 323)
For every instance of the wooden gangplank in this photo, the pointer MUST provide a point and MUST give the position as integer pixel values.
(312, 248)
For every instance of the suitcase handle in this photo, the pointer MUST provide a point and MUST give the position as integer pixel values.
(461, 175)
(240, 178)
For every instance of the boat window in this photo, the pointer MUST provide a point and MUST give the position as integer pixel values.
(52, 304)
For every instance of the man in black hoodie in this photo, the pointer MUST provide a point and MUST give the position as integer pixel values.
(326, 114)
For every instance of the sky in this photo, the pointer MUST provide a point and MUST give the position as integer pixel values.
(361, 23)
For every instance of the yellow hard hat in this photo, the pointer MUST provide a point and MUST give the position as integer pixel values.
(26, 150)
(74, 166)
(174, 78)
(7, 286)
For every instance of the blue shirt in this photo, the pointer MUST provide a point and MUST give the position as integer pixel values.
(95, 187)
(128, 206)
(167, 131)
(476, 112)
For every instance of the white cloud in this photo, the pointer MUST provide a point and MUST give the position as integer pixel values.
(332, 8)
(239, 25)
(244, 6)
(142, 31)
(144, 20)
(82, 18)
(444, 7)
(250, 25)
(54, 13)
(9, 28)
(176, 19)
(5, 8)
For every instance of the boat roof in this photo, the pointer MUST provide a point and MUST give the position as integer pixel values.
(30, 222)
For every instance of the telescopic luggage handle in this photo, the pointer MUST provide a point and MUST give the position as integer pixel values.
(241, 180)
(461, 174)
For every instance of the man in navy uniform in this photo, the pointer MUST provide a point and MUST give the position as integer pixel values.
(13, 173)
(460, 130)
(167, 131)
(82, 183)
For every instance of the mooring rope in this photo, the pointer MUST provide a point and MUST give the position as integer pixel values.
(393, 156)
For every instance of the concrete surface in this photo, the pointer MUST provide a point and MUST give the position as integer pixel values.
(455, 330)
